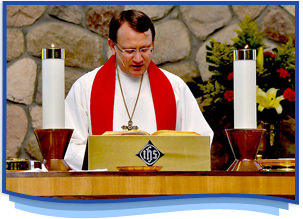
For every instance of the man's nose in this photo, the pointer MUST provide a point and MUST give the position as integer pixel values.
(138, 56)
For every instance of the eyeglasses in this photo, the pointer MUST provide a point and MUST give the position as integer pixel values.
(132, 52)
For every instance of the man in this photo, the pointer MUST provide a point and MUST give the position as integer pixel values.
(129, 91)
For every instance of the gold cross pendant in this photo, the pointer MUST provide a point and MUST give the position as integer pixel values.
(130, 126)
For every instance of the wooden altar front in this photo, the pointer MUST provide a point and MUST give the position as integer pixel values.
(97, 185)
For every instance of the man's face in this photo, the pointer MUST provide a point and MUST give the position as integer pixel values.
(136, 63)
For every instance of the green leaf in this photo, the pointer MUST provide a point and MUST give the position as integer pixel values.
(248, 35)
(285, 55)
(219, 55)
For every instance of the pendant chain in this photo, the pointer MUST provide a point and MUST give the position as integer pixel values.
(130, 116)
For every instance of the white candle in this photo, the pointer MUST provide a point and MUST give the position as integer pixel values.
(53, 88)
(245, 109)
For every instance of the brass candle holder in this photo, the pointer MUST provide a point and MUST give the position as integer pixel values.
(53, 144)
(244, 144)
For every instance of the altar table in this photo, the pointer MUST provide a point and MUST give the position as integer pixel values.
(100, 185)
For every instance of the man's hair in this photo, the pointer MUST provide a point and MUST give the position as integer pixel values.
(137, 20)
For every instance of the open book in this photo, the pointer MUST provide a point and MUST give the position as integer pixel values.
(160, 132)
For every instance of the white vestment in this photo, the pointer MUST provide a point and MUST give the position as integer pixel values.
(77, 110)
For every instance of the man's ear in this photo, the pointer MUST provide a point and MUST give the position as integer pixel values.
(111, 45)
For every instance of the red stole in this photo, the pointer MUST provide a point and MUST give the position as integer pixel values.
(103, 95)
